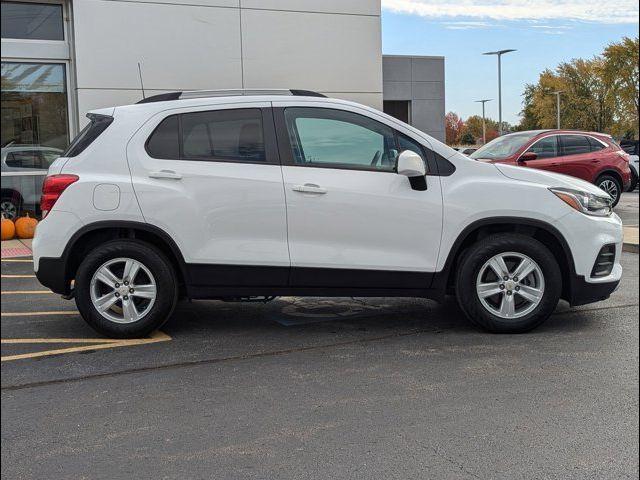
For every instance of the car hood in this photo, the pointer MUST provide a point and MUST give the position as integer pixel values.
(549, 179)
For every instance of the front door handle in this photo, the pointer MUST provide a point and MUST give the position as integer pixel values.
(170, 174)
(309, 188)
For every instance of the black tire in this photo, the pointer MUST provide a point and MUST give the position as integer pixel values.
(602, 182)
(10, 207)
(480, 253)
(634, 182)
(159, 266)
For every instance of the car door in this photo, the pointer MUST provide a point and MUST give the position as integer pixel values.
(578, 157)
(352, 221)
(547, 150)
(212, 180)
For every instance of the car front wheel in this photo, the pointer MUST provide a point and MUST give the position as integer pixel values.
(125, 289)
(508, 283)
(612, 186)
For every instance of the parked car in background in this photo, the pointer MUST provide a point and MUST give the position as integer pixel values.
(468, 151)
(243, 196)
(23, 170)
(631, 147)
(591, 156)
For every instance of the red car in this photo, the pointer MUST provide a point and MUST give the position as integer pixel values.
(593, 157)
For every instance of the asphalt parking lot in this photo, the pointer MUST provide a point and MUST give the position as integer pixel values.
(317, 389)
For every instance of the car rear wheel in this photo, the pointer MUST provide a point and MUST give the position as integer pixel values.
(508, 283)
(612, 186)
(125, 289)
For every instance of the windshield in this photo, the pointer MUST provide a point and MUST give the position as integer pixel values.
(503, 147)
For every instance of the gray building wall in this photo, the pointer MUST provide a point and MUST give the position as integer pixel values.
(420, 81)
(332, 46)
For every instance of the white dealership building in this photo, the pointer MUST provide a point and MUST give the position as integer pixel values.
(61, 59)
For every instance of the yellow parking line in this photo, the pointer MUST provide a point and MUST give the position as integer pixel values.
(18, 260)
(25, 292)
(153, 338)
(29, 314)
(17, 341)
(17, 276)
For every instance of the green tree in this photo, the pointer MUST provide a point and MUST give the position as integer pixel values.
(621, 69)
(597, 94)
(467, 138)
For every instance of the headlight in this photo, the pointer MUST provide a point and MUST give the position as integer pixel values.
(584, 202)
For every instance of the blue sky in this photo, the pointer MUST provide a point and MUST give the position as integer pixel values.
(545, 33)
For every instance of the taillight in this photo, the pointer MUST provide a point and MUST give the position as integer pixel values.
(52, 188)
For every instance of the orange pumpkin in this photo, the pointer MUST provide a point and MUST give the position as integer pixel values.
(8, 229)
(26, 226)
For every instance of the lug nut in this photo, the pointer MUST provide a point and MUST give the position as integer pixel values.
(117, 284)
(117, 294)
(126, 283)
(505, 278)
(515, 279)
(131, 290)
(501, 287)
(509, 292)
(517, 289)
(126, 297)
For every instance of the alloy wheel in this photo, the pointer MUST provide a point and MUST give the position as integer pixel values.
(123, 290)
(510, 285)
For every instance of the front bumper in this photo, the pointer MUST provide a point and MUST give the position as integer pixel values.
(583, 292)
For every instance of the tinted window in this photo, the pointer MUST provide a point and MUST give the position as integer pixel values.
(234, 135)
(32, 21)
(98, 124)
(327, 137)
(575, 144)
(28, 159)
(545, 147)
(406, 143)
(163, 142)
(595, 144)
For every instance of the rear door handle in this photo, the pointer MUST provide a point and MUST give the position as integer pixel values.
(309, 188)
(170, 174)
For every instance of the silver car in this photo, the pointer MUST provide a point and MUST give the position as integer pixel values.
(23, 170)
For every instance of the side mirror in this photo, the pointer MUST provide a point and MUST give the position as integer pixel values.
(411, 165)
(528, 156)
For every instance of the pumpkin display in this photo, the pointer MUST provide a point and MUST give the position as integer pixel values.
(26, 226)
(8, 229)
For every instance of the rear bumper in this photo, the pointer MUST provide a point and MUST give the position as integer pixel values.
(52, 273)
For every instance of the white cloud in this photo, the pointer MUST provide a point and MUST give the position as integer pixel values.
(467, 25)
(598, 11)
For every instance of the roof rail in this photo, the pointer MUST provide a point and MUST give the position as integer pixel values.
(190, 94)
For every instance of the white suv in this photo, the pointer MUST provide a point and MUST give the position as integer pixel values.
(246, 195)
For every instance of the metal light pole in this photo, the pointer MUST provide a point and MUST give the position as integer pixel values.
(557, 94)
(499, 54)
(484, 127)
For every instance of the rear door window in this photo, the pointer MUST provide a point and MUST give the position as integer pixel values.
(221, 135)
(575, 144)
(225, 135)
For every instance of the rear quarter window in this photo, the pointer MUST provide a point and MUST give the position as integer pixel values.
(86, 137)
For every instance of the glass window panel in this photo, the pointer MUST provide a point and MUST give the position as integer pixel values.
(337, 138)
(546, 147)
(164, 141)
(34, 105)
(575, 144)
(234, 135)
(32, 21)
